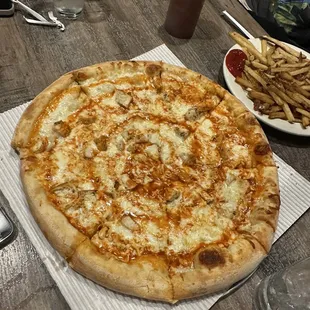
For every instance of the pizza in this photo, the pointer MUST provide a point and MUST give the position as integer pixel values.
(149, 179)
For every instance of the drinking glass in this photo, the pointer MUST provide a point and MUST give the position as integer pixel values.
(182, 17)
(69, 8)
(285, 290)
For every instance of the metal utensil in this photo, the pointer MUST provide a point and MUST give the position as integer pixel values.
(30, 11)
(237, 24)
(38, 22)
(52, 17)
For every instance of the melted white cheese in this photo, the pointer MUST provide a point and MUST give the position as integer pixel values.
(100, 89)
(206, 128)
(69, 103)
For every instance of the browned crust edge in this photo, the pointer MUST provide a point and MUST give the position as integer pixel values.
(146, 278)
(202, 280)
(54, 225)
(37, 106)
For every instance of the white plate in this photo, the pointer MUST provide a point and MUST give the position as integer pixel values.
(238, 92)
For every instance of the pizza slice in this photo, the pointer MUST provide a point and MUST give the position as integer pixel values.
(219, 240)
(241, 141)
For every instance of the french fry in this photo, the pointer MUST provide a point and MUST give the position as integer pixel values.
(264, 47)
(252, 58)
(302, 100)
(256, 76)
(299, 83)
(274, 115)
(264, 107)
(299, 71)
(290, 58)
(281, 69)
(277, 56)
(288, 113)
(281, 94)
(283, 46)
(278, 63)
(295, 87)
(276, 98)
(305, 87)
(303, 112)
(256, 85)
(293, 96)
(296, 65)
(301, 77)
(261, 96)
(276, 82)
(236, 35)
(250, 47)
(270, 61)
(258, 65)
(303, 92)
(275, 108)
(243, 82)
(245, 50)
(270, 51)
(305, 121)
(286, 76)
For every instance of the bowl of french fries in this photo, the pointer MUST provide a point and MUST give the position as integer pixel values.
(274, 84)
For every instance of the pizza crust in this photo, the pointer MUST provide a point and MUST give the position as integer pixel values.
(240, 259)
(37, 106)
(146, 278)
(107, 70)
(250, 127)
(54, 225)
(264, 217)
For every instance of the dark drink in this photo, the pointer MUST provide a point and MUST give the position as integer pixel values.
(182, 17)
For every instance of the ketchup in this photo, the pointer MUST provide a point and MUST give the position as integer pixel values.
(235, 61)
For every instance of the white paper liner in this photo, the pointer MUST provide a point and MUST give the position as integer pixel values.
(81, 293)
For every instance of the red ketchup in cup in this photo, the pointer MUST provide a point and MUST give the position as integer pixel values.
(235, 61)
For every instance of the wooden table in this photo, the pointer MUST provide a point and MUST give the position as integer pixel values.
(31, 57)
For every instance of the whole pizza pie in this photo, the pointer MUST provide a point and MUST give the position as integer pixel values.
(149, 179)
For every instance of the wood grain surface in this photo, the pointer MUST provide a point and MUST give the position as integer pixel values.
(24, 280)
(31, 57)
